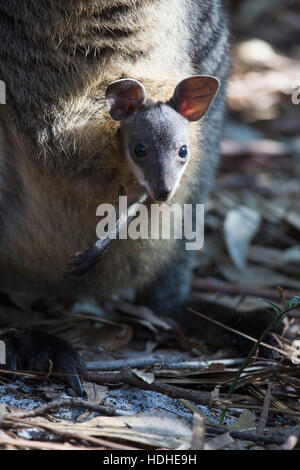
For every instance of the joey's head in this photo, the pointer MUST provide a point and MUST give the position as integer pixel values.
(155, 135)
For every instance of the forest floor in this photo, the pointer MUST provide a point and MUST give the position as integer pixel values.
(152, 386)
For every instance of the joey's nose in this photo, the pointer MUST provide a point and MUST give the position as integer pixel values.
(164, 194)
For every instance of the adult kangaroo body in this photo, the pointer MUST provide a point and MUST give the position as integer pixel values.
(60, 155)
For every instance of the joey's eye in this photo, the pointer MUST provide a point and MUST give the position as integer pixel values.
(140, 150)
(183, 151)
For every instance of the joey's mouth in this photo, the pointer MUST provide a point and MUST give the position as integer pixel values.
(162, 199)
(159, 196)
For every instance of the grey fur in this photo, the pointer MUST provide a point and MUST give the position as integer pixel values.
(163, 131)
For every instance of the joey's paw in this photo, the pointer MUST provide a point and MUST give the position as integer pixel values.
(34, 349)
(83, 261)
(80, 263)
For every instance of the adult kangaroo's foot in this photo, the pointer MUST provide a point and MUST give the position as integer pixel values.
(29, 349)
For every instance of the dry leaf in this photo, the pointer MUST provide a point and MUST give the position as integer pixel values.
(258, 276)
(240, 227)
(145, 376)
(219, 442)
(246, 421)
(108, 338)
(143, 313)
(95, 393)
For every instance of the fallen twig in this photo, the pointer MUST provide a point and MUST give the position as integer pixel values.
(70, 403)
(216, 285)
(265, 411)
(26, 443)
(129, 377)
(160, 362)
(273, 438)
(199, 397)
(18, 422)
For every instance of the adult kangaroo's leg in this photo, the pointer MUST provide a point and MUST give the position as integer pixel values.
(26, 349)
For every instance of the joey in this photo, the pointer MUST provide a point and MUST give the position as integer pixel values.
(155, 141)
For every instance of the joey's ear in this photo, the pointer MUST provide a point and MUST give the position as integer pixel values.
(194, 95)
(123, 97)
